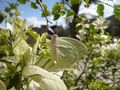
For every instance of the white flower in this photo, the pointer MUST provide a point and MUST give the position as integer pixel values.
(101, 23)
(9, 26)
(104, 36)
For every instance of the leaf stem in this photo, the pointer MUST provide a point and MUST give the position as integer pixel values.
(44, 11)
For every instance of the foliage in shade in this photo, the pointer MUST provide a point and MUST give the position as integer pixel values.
(2, 85)
(117, 11)
(33, 5)
(22, 1)
(1, 17)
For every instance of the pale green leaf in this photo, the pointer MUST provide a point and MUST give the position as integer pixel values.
(22, 50)
(2, 85)
(47, 80)
(20, 46)
(32, 33)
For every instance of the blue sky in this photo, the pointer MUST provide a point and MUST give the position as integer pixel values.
(32, 16)
(29, 12)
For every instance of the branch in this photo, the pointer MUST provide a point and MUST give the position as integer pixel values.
(67, 3)
(105, 3)
(44, 11)
(84, 69)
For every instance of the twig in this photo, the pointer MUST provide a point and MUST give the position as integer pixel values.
(105, 3)
(85, 66)
(67, 3)
(43, 12)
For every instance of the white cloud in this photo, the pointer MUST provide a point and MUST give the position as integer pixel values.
(91, 11)
(35, 21)
(59, 22)
(116, 2)
(38, 22)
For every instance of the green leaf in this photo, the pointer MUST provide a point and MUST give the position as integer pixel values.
(1, 17)
(8, 59)
(22, 51)
(7, 9)
(87, 2)
(32, 33)
(74, 2)
(100, 9)
(2, 85)
(33, 5)
(65, 52)
(70, 13)
(14, 81)
(17, 13)
(58, 10)
(117, 11)
(47, 80)
(56, 17)
(22, 1)
(46, 13)
(20, 46)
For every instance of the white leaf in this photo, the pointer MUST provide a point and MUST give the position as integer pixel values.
(47, 80)
(2, 85)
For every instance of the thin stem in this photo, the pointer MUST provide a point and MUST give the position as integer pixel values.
(84, 69)
(67, 3)
(105, 3)
(43, 12)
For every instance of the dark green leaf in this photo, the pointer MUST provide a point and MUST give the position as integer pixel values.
(58, 10)
(14, 81)
(87, 2)
(13, 5)
(74, 2)
(117, 11)
(46, 13)
(70, 13)
(33, 5)
(22, 1)
(1, 17)
(44, 6)
(7, 9)
(56, 17)
(100, 9)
